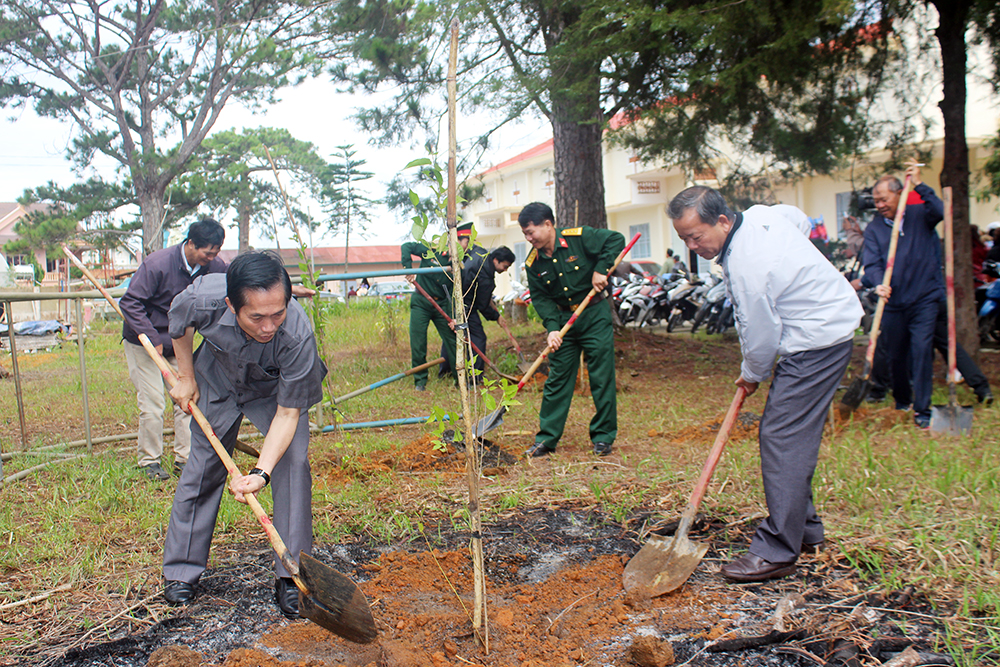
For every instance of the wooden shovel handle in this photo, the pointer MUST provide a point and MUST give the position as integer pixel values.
(168, 375)
(714, 455)
(890, 262)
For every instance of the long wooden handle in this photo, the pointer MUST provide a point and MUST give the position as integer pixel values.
(576, 313)
(510, 334)
(890, 262)
(949, 283)
(168, 375)
(715, 454)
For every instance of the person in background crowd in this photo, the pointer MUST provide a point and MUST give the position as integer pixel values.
(917, 287)
(668, 263)
(163, 275)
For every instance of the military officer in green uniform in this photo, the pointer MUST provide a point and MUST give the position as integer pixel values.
(422, 312)
(562, 267)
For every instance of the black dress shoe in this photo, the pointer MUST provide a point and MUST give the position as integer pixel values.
(749, 567)
(287, 596)
(538, 449)
(178, 592)
(602, 448)
(985, 397)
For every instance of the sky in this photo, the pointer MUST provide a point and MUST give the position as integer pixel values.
(34, 151)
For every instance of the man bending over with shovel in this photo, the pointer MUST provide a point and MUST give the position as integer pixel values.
(258, 359)
(792, 305)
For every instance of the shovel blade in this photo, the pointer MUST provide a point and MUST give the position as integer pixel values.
(956, 420)
(489, 422)
(855, 394)
(334, 602)
(662, 565)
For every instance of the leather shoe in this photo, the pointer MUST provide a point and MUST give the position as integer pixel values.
(178, 592)
(538, 449)
(602, 448)
(985, 397)
(155, 472)
(749, 567)
(179, 467)
(287, 596)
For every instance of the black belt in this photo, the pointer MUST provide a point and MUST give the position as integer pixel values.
(570, 308)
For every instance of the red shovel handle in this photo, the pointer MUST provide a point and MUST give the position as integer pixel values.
(715, 454)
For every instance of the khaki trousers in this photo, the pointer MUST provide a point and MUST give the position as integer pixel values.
(149, 388)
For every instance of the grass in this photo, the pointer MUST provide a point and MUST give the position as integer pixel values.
(905, 507)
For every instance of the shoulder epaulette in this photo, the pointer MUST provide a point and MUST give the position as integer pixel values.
(573, 231)
(530, 259)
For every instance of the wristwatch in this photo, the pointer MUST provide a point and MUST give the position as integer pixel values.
(261, 473)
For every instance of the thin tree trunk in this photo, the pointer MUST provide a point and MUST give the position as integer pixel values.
(244, 215)
(953, 23)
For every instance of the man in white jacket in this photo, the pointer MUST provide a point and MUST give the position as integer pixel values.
(792, 306)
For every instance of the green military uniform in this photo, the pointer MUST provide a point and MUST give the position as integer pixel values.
(558, 284)
(438, 286)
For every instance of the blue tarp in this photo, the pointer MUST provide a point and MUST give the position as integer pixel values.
(36, 328)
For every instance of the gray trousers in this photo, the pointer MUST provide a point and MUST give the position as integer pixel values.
(200, 488)
(791, 429)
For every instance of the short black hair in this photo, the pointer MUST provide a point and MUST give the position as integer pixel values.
(535, 213)
(206, 233)
(502, 254)
(255, 271)
(706, 202)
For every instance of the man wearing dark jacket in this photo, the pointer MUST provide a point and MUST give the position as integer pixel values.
(163, 275)
(916, 288)
(478, 283)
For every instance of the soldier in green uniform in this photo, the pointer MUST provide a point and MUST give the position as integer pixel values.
(439, 287)
(562, 267)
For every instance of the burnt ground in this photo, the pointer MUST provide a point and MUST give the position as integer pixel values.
(554, 598)
(554, 592)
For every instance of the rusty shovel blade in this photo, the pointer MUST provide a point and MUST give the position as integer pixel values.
(334, 602)
(954, 419)
(662, 565)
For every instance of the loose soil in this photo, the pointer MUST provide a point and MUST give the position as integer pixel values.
(553, 572)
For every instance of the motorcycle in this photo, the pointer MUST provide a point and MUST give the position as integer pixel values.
(715, 299)
(723, 320)
(657, 304)
(686, 299)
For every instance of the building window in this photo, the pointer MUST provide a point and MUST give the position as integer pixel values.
(643, 247)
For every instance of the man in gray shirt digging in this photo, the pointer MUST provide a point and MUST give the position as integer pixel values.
(258, 359)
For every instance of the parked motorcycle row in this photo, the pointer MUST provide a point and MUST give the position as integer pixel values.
(645, 299)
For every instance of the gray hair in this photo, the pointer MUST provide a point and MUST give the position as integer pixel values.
(706, 202)
(891, 182)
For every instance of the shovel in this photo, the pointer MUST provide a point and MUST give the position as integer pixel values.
(326, 597)
(495, 418)
(950, 418)
(475, 348)
(664, 563)
(858, 390)
(522, 363)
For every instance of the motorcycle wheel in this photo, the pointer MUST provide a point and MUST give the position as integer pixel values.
(674, 321)
(699, 317)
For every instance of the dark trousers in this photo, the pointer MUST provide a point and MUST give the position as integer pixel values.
(477, 334)
(422, 313)
(908, 335)
(593, 335)
(974, 377)
(200, 489)
(791, 430)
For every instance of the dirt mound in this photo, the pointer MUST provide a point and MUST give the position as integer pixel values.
(744, 428)
(425, 454)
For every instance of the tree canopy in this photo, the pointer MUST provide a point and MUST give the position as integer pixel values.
(133, 77)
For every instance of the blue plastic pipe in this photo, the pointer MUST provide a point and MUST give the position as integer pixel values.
(378, 274)
(384, 422)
